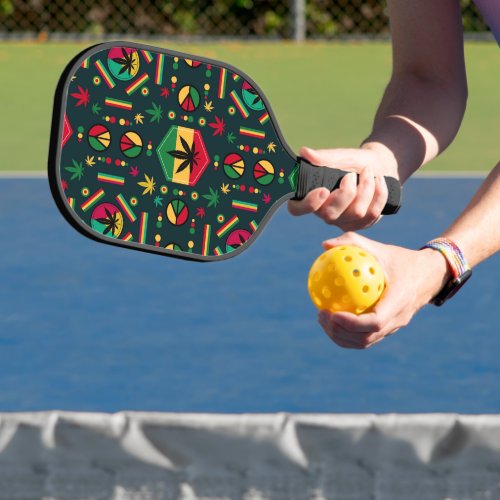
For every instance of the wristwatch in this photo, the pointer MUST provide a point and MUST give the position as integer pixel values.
(460, 270)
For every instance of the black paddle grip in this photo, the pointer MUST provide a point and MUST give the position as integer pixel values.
(311, 177)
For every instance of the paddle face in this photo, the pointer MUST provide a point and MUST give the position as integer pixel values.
(159, 151)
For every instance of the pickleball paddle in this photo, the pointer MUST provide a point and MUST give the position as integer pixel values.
(171, 153)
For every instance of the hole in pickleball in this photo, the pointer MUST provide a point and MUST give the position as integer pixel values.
(339, 281)
(366, 289)
(356, 273)
(317, 276)
(379, 288)
(372, 270)
(359, 310)
(362, 254)
(348, 258)
(327, 293)
(317, 301)
(346, 299)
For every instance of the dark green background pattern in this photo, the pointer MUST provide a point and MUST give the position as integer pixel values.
(85, 107)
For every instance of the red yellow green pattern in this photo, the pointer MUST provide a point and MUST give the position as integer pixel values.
(166, 152)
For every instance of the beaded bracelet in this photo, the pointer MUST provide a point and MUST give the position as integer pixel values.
(460, 269)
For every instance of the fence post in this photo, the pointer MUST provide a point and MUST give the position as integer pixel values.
(299, 20)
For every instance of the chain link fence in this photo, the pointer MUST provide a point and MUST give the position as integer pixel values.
(286, 19)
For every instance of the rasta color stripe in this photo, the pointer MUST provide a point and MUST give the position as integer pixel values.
(137, 83)
(92, 200)
(222, 83)
(85, 64)
(112, 179)
(217, 251)
(104, 73)
(236, 77)
(116, 103)
(71, 202)
(244, 205)
(206, 239)
(452, 253)
(128, 237)
(264, 118)
(143, 227)
(239, 104)
(147, 55)
(254, 225)
(228, 226)
(250, 132)
(126, 208)
(159, 69)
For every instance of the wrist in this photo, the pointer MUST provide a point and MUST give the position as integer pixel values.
(386, 157)
(437, 273)
(457, 266)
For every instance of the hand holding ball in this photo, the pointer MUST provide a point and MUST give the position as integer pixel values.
(346, 278)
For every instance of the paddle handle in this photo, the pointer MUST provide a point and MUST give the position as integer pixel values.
(311, 177)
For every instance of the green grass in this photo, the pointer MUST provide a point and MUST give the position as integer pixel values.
(323, 94)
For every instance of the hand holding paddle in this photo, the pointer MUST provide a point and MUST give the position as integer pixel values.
(360, 199)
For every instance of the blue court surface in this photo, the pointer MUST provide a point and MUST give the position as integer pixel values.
(91, 327)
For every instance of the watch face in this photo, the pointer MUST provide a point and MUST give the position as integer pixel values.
(451, 288)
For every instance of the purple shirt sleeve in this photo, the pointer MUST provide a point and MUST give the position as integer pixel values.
(490, 9)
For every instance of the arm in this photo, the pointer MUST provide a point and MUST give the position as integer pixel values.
(419, 114)
(415, 277)
(424, 103)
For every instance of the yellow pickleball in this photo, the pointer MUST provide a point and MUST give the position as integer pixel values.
(346, 278)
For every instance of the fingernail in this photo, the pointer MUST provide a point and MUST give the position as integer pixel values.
(323, 194)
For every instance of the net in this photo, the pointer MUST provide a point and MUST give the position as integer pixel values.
(159, 456)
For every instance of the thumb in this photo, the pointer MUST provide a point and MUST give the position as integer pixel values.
(349, 238)
(338, 158)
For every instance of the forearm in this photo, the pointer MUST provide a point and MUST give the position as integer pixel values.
(477, 230)
(424, 103)
(416, 120)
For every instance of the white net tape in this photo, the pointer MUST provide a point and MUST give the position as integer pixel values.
(155, 456)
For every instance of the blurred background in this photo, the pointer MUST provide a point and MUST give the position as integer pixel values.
(285, 19)
(342, 60)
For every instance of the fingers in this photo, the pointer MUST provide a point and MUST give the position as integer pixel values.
(316, 198)
(310, 204)
(354, 332)
(352, 238)
(365, 207)
(337, 201)
(338, 158)
(356, 203)
(380, 196)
